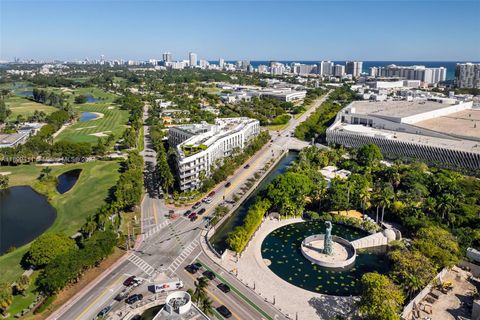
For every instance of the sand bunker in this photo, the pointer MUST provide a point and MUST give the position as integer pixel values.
(100, 134)
(86, 127)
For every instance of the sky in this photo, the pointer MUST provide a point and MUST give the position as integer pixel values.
(404, 30)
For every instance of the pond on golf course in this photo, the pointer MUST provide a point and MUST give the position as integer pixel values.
(24, 215)
(67, 180)
(87, 116)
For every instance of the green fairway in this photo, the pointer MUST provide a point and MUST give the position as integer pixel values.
(25, 107)
(113, 121)
(88, 194)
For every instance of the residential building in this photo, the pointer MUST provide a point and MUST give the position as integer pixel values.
(167, 57)
(192, 59)
(302, 69)
(221, 63)
(338, 70)
(325, 68)
(354, 68)
(435, 130)
(200, 147)
(467, 75)
(13, 139)
(422, 73)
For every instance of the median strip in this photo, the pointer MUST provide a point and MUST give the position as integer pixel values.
(240, 294)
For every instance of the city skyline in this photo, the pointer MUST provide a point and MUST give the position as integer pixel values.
(444, 31)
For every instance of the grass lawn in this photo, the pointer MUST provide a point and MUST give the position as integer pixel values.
(88, 194)
(21, 302)
(277, 127)
(25, 107)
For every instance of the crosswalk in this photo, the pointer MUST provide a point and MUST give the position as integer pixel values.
(155, 229)
(141, 264)
(183, 255)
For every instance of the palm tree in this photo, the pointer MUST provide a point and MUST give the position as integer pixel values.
(200, 286)
(207, 306)
(90, 226)
(365, 197)
(46, 171)
(446, 204)
(22, 284)
(412, 284)
(386, 196)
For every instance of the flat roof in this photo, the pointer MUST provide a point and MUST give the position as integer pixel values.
(463, 123)
(454, 144)
(397, 109)
(11, 137)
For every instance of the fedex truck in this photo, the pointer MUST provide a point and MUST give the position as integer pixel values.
(168, 286)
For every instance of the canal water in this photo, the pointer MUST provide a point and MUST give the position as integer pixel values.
(218, 240)
(24, 215)
(67, 180)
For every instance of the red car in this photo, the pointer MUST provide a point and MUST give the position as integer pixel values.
(129, 281)
(211, 194)
(192, 214)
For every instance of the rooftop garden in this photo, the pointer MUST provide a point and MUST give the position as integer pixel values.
(190, 149)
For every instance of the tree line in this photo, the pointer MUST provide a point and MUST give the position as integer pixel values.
(49, 98)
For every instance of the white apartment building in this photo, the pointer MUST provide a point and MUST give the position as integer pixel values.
(467, 75)
(325, 68)
(167, 57)
(199, 147)
(354, 68)
(422, 73)
(338, 70)
(192, 59)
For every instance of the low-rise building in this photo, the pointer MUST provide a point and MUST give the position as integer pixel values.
(199, 147)
(13, 139)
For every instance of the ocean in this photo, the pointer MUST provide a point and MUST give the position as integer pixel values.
(450, 65)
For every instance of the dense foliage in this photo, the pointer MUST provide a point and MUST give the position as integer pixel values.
(316, 125)
(47, 247)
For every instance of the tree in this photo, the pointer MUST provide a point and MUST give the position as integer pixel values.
(411, 270)
(165, 174)
(81, 99)
(439, 245)
(207, 306)
(22, 284)
(89, 227)
(6, 297)
(4, 111)
(3, 181)
(369, 155)
(385, 198)
(288, 191)
(200, 289)
(381, 299)
(48, 246)
(46, 172)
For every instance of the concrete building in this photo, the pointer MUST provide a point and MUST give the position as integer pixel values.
(338, 70)
(354, 68)
(422, 73)
(13, 139)
(325, 68)
(199, 147)
(286, 95)
(467, 75)
(167, 57)
(435, 130)
(302, 69)
(221, 63)
(192, 59)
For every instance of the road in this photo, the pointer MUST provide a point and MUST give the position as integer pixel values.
(169, 245)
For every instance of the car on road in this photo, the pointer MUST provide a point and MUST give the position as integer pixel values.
(194, 218)
(201, 211)
(191, 215)
(197, 265)
(187, 213)
(134, 298)
(122, 295)
(197, 205)
(211, 194)
(224, 311)
(209, 274)
(224, 287)
(129, 281)
(246, 166)
(103, 312)
(191, 268)
(228, 184)
(207, 200)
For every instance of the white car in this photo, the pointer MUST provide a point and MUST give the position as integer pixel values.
(207, 200)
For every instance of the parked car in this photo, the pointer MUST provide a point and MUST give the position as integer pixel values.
(246, 166)
(104, 312)
(224, 311)
(137, 282)
(191, 268)
(207, 200)
(187, 213)
(224, 287)
(197, 265)
(194, 218)
(134, 298)
(211, 194)
(209, 274)
(197, 205)
(201, 211)
(228, 184)
(129, 281)
(191, 215)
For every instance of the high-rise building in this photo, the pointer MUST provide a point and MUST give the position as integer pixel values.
(192, 58)
(221, 62)
(325, 68)
(467, 75)
(338, 70)
(354, 68)
(302, 69)
(422, 73)
(203, 64)
(167, 57)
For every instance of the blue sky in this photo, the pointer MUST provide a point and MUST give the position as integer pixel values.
(256, 30)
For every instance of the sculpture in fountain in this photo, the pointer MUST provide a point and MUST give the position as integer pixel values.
(328, 246)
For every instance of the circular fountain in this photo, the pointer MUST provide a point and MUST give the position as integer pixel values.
(328, 251)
